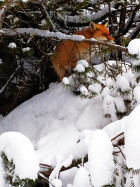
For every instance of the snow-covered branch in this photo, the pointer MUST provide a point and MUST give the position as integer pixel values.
(18, 159)
(61, 36)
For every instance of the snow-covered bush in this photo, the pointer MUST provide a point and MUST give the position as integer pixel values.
(112, 154)
(134, 49)
(18, 162)
(111, 159)
(112, 82)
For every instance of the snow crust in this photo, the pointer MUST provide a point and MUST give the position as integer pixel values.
(18, 148)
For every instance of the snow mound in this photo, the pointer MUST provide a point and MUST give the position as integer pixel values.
(132, 139)
(101, 165)
(20, 150)
(56, 107)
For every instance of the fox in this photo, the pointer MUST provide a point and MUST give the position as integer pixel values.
(68, 52)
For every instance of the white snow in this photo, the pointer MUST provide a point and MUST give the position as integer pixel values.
(18, 148)
(56, 107)
(84, 63)
(79, 68)
(57, 149)
(2, 174)
(134, 47)
(84, 90)
(132, 139)
(106, 91)
(56, 183)
(109, 107)
(25, 49)
(123, 83)
(100, 158)
(82, 178)
(109, 82)
(47, 33)
(119, 103)
(136, 62)
(65, 81)
(137, 93)
(12, 45)
(90, 74)
(95, 88)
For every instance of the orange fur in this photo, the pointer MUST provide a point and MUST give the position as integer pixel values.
(67, 52)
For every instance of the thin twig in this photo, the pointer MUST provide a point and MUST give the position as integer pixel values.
(44, 177)
(120, 151)
(117, 136)
(47, 15)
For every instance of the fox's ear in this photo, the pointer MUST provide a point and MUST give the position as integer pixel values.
(93, 25)
(106, 24)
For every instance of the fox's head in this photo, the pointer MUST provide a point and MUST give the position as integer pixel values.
(100, 32)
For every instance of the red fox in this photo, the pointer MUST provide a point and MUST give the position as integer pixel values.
(67, 52)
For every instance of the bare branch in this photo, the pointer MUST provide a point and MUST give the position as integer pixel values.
(122, 133)
(7, 6)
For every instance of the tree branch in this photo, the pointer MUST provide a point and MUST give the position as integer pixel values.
(8, 3)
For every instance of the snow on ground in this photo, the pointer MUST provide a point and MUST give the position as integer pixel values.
(56, 148)
(53, 121)
(57, 107)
